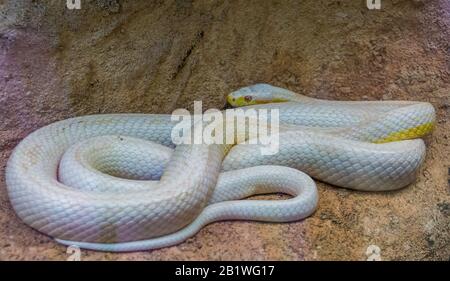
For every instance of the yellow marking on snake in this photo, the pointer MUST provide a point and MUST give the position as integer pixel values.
(410, 133)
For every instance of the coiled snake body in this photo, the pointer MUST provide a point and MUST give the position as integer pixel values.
(116, 182)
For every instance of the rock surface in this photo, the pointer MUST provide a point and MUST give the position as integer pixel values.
(156, 56)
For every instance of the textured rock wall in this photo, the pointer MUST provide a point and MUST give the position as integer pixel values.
(155, 56)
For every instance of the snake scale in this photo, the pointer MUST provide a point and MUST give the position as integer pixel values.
(116, 182)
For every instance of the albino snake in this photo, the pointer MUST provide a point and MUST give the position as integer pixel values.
(114, 182)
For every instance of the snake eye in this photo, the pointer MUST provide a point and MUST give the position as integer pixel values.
(248, 98)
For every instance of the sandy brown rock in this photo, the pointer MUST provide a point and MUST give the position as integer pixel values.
(156, 56)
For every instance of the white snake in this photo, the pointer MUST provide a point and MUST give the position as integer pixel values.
(114, 183)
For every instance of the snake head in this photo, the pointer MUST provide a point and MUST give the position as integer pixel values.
(256, 94)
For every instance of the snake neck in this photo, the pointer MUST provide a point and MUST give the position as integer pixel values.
(283, 95)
